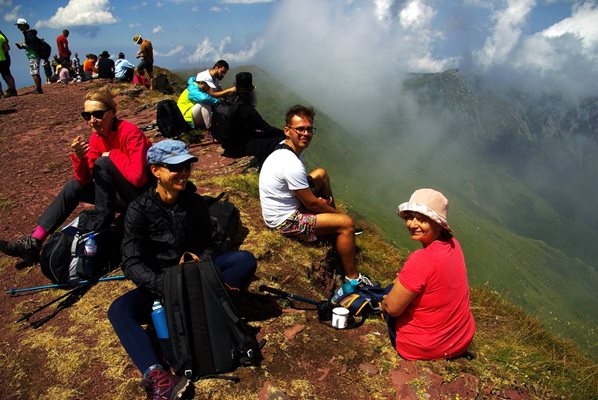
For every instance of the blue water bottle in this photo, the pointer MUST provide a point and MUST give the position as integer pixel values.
(159, 319)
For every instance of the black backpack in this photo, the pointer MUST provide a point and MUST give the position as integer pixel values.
(170, 120)
(63, 258)
(223, 118)
(43, 49)
(207, 337)
(161, 84)
(226, 221)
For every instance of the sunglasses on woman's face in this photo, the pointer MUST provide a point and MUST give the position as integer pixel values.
(177, 167)
(99, 114)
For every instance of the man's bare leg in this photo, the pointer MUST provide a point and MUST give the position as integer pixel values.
(342, 225)
(322, 184)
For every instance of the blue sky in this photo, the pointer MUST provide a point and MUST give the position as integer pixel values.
(550, 40)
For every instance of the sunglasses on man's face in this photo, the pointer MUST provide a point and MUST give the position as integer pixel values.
(99, 114)
(177, 167)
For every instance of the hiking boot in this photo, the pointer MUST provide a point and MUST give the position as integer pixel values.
(38, 91)
(27, 247)
(10, 93)
(162, 385)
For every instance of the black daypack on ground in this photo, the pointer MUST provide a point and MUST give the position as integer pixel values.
(63, 257)
(207, 337)
(170, 120)
(161, 84)
(226, 221)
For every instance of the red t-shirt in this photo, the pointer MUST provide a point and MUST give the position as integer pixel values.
(63, 46)
(438, 323)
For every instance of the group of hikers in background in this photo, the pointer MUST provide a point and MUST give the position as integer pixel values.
(149, 187)
(64, 69)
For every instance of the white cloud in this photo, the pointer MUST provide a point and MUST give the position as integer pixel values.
(158, 29)
(583, 24)
(170, 53)
(13, 14)
(215, 9)
(506, 32)
(207, 51)
(135, 25)
(416, 14)
(80, 13)
(383, 11)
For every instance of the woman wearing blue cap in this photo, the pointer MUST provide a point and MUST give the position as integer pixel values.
(166, 221)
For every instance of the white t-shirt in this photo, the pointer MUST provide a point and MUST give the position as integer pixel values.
(207, 78)
(281, 174)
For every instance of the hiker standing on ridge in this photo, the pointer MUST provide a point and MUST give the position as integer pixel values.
(146, 53)
(163, 223)
(109, 172)
(63, 49)
(5, 68)
(299, 205)
(428, 309)
(31, 39)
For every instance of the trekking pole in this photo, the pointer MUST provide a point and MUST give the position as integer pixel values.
(28, 315)
(14, 291)
(324, 307)
(286, 295)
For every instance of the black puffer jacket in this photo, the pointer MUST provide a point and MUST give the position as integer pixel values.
(247, 125)
(156, 236)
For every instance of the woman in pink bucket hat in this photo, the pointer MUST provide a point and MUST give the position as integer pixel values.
(428, 309)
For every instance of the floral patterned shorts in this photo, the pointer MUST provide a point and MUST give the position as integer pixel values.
(301, 226)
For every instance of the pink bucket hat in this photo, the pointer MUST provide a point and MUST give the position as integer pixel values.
(430, 203)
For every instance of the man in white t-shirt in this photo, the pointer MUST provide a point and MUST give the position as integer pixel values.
(212, 77)
(300, 205)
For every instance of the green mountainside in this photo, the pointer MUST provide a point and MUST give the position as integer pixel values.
(517, 236)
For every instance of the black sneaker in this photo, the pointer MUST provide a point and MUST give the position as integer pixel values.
(10, 93)
(38, 91)
(28, 248)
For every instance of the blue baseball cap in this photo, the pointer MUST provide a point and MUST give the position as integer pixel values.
(169, 151)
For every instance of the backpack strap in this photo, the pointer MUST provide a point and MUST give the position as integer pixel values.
(284, 146)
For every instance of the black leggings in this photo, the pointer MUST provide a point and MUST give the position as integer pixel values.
(109, 191)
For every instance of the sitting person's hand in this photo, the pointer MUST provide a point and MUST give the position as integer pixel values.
(79, 147)
(327, 201)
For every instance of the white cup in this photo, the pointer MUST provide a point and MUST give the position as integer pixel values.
(340, 316)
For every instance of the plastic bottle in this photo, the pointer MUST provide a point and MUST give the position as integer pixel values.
(91, 247)
(159, 319)
(348, 286)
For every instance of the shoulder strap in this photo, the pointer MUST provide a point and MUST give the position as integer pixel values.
(284, 146)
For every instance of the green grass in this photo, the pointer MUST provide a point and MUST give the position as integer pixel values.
(5, 203)
(512, 237)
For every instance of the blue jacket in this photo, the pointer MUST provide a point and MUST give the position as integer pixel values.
(191, 96)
